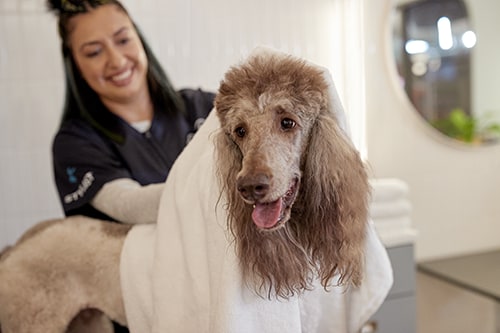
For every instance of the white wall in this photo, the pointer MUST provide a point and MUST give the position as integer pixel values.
(454, 189)
(485, 68)
(198, 40)
(31, 92)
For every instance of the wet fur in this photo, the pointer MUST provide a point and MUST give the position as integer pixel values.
(324, 237)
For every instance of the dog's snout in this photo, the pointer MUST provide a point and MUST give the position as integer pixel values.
(253, 187)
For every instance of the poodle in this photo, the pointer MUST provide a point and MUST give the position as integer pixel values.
(297, 198)
(296, 188)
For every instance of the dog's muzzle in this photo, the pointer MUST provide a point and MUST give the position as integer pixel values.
(272, 215)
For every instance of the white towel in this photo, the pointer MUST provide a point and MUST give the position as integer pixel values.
(388, 189)
(182, 275)
(386, 209)
(392, 223)
(136, 267)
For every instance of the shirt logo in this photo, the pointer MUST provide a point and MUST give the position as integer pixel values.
(87, 181)
(71, 175)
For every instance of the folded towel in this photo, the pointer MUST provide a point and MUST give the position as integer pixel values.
(182, 275)
(388, 189)
(386, 209)
(392, 223)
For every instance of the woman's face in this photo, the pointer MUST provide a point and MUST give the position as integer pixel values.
(109, 54)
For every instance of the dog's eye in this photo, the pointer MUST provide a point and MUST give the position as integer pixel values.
(240, 131)
(287, 123)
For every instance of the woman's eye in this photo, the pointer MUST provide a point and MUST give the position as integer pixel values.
(287, 123)
(92, 54)
(240, 131)
(123, 41)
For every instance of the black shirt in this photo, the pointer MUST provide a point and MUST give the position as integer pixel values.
(84, 159)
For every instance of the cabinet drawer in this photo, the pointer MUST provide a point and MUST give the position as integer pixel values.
(403, 265)
(394, 316)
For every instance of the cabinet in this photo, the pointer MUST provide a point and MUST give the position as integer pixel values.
(398, 312)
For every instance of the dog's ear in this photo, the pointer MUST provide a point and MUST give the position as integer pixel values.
(229, 161)
(336, 194)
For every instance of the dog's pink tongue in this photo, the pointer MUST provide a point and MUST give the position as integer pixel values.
(266, 215)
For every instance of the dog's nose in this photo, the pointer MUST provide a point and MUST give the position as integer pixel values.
(254, 187)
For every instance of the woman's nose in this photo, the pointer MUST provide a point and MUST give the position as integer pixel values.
(115, 58)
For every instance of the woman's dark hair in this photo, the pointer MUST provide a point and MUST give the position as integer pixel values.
(81, 101)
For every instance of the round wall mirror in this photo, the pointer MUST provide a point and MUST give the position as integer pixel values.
(446, 54)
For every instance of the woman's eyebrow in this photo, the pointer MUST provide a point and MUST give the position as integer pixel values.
(121, 30)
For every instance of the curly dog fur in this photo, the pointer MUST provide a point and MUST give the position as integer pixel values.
(56, 276)
(283, 155)
(297, 196)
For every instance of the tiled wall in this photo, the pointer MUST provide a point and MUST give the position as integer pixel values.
(31, 92)
(196, 40)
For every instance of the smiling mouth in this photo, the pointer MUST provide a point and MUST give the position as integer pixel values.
(122, 78)
(273, 215)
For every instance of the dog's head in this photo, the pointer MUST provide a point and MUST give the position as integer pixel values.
(267, 108)
(296, 189)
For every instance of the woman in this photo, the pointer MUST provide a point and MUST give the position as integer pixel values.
(123, 124)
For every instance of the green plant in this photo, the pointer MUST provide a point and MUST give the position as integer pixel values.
(467, 128)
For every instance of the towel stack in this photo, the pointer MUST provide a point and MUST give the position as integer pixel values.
(390, 210)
